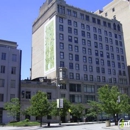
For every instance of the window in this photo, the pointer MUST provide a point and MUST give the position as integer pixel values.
(98, 69)
(88, 35)
(61, 55)
(12, 83)
(102, 62)
(109, 71)
(87, 17)
(109, 25)
(13, 70)
(91, 77)
(85, 67)
(75, 98)
(74, 13)
(98, 78)
(82, 16)
(61, 45)
(70, 38)
(108, 63)
(1, 97)
(62, 86)
(28, 95)
(12, 96)
(93, 20)
(69, 12)
(113, 9)
(69, 30)
(110, 40)
(89, 51)
(122, 58)
(71, 75)
(90, 60)
(114, 72)
(114, 26)
(77, 76)
(121, 50)
(48, 95)
(70, 56)
(98, 22)
(113, 64)
(61, 9)
(70, 65)
(110, 34)
(99, 31)
(75, 40)
(119, 65)
(116, 42)
(76, 57)
(61, 28)
(117, 49)
(103, 79)
(69, 22)
(2, 69)
(111, 48)
(118, 57)
(94, 29)
(101, 53)
(114, 80)
(2, 82)
(87, 27)
(96, 52)
(108, 55)
(100, 38)
(60, 20)
(84, 59)
(100, 46)
(84, 50)
(89, 89)
(89, 43)
(76, 49)
(90, 68)
(104, 23)
(83, 42)
(75, 31)
(85, 77)
(106, 39)
(97, 61)
(75, 24)
(61, 63)
(95, 37)
(61, 36)
(77, 66)
(105, 32)
(107, 47)
(120, 43)
(96, 44)
(105, 14)
(118, 27)
(82, 26)
(3, 56)
(83, 33)
(115, 35)
(88, 98)
(70, 47)
(103, 70)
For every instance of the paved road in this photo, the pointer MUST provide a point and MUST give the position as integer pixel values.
(55, 127)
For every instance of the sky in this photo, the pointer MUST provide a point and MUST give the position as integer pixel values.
(17, 17)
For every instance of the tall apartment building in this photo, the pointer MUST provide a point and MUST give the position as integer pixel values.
(82, 51)
(121, 10)
(10, 71)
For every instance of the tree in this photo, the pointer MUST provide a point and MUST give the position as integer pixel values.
(40, 106)
(62, 111)
(77, 110)
(13, 107)
(94, 109)
(112, 102)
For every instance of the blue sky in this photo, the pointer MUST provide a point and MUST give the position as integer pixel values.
(17, 17)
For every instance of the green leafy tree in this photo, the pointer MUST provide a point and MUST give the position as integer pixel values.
(62, 111)
(13, 107)
(94, 109)
(40, 106)
(77, 110)
(112, 102)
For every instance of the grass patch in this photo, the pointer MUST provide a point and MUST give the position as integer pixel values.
(23, 123)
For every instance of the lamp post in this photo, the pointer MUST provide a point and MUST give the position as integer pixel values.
(116, 115)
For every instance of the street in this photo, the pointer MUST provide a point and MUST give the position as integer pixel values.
(55, 127)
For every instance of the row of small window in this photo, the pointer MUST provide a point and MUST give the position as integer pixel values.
(2, 97)
(78, 88)
(12, 83)
(3, 68)
(78, 98)
(27, 95)
(93, 20)
(119, 58)
(61, 28)
(107, 40)
(4, 56)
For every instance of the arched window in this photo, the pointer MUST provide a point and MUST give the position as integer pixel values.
(118, 27)
(114, 26)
